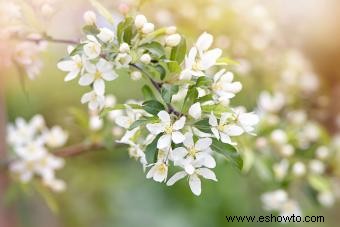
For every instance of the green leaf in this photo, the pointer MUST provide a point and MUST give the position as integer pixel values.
(151, 150)
(148, 93)
(189, 98)
(205, 98)
(319, 183)
(168, 91)
(216, 108)
(174, 67)
(229, 152)
(203, 81)
(78, 49)
(143, 121)
(161, 70)
(120, 107)
(90, 30)
(155, 49)
(178, 52)
(102, 11)
(203, 125)
(125, 30)
(153, 107)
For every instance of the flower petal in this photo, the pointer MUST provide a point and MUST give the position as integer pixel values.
(86, 79)
(188, 141)
(164, 116)
(212, 120)
(177, 137)
(204, 41)
(195, 110)
(207, 174)
(155, 129)
(176, 177)
(203, 144)
(99, 86)
(179, 124)
(195, 184)
(164, 141)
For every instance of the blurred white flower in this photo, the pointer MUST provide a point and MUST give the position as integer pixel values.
(90, 17)
(95, 101)
(105, 35)
(55, 137)
(271, 103)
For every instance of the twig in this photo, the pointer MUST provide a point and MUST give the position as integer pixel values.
(78, 149)
(158, 87)
(52, 40)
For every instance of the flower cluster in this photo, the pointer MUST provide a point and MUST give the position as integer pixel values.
(296, 149)
(30, 142)
(185, 118)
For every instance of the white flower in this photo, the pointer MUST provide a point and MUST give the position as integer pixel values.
(97, 74)
(145, 58)
(271, 103)
(55, 137)
(171, 30)
(222, 130)
(194, 178)
(95, 101)
(136, 152)
(326, 198)
(122, 60)
(246, 121)
(195, 111)
(170, 130)
(290, 208)
(281, 169)
(55, 184)
(223, 86)
(148, 28)
(90, 17)
(279, 137)
(140, 20)
(199, 151)
(96, 123)
(105, 35)
(92, 48)
(32, 150)
(199, 58)
(316, 166)
(136, 75)
(173, 40)
(274, 200)
(124, 48)
(299, 169)
(322, 152)
(159, 172)
(73, 66)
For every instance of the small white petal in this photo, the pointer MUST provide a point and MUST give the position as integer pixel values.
(203, 144)
(204, 41)
(207, 174)
(179, 124)
(155, 129)
(164, 141)
(176, 177)
(86, 79)
(164, 116)
(195, 110)
(99, 86)
(177, 137)
(179, 153)
(212, 120)
(195, 184)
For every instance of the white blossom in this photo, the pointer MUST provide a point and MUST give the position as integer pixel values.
(169, 129)
(97, 74)
(95, 101)
(92, 48)
(105, 35)
(90, 17)
(172, 40)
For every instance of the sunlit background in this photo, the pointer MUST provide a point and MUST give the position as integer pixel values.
(107, 188)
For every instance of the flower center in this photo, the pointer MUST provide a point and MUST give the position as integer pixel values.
(192, 152)
(162, 168)
(168, 129)
(98, 74)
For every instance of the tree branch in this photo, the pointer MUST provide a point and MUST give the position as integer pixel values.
(78, 149)
(52, 40)
(158, 87)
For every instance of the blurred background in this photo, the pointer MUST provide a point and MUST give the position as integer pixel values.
(106, 188)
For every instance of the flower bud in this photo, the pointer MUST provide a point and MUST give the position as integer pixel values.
(171, 30)
(148, 28)
(136, 75)
(146, 58)
(173, 40)
(124, 8)
(140, 20)
(105, 35)
(299, 169)
(124, 48)
(90, 17)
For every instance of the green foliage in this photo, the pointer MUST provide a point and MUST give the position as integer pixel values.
(153, 106)
(155, 48)
(90, 30)
(203, 125)
(125, 30)
(148, 93)
(229, 152)
(177, 55)
(168, 91)
(151, 151)
(190, 98)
